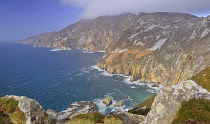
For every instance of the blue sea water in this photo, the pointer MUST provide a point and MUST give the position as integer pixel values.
(57, 78)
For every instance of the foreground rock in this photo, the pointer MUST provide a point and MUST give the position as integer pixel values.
(33, 111)
(76, 108)
(52, 114)
(118, 104)
(168, 101)
(128, 118)
(107, 101)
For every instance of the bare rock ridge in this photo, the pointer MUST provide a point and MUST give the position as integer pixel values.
(162, 48)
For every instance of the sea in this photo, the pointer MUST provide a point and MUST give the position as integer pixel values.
(57, 78)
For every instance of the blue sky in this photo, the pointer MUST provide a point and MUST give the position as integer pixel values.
(22, 18)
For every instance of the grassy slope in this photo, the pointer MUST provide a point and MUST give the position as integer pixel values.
(203, 78)
(194, 110)
(10, 113)
(94, 118)
(147, 104)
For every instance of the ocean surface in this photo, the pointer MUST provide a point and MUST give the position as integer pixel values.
(57, 78)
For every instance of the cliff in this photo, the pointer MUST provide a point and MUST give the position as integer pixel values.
(161, 48)
(88, 34)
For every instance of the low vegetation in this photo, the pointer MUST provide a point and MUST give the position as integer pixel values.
(144, 107)
(10, 113)
(203, 78)
(94, 118)
(194, 111)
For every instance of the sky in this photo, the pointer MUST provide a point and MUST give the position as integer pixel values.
(22, 18)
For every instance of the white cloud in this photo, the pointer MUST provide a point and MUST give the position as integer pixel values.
(94, 8)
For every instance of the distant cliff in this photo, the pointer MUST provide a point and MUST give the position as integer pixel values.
(88, 34)
(163, 48)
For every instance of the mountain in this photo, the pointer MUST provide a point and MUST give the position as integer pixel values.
(162, 48)
(89, 34)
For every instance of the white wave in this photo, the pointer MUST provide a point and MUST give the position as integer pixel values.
(96, 67)
(101, 51)
(55, 50)
(133, 87)
(87, 52)
(93, 51)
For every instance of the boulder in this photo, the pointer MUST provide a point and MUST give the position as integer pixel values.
(107, 101)
(118, 104)
(33, 111)
(76, 108)
(168, 101)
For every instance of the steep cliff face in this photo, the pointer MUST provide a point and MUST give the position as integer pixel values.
(89, 34)
(163, 48)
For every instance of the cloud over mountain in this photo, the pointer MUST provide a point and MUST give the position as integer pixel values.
(94, 8)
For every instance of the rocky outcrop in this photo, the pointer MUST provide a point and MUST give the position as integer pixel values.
(118, 104)
(33, 111)
(52, 114)
(168, 101)
(107, 101)
(76, 108)
(128, 118)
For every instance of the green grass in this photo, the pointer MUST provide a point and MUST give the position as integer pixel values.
(10, 113)
(195, 109)
(94, 118)
(147, 104)
(203, 78)
(112, 120)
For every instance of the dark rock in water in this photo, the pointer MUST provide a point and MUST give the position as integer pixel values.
(76, 108)
(155, 85)
(107, 101)
(128, 118)
(118, 104)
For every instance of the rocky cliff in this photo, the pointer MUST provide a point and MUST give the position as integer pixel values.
(163, 48)
(88, 34)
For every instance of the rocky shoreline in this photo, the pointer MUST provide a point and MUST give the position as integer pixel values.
(163, 110)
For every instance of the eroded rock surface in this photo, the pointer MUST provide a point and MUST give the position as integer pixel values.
(76, 108)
